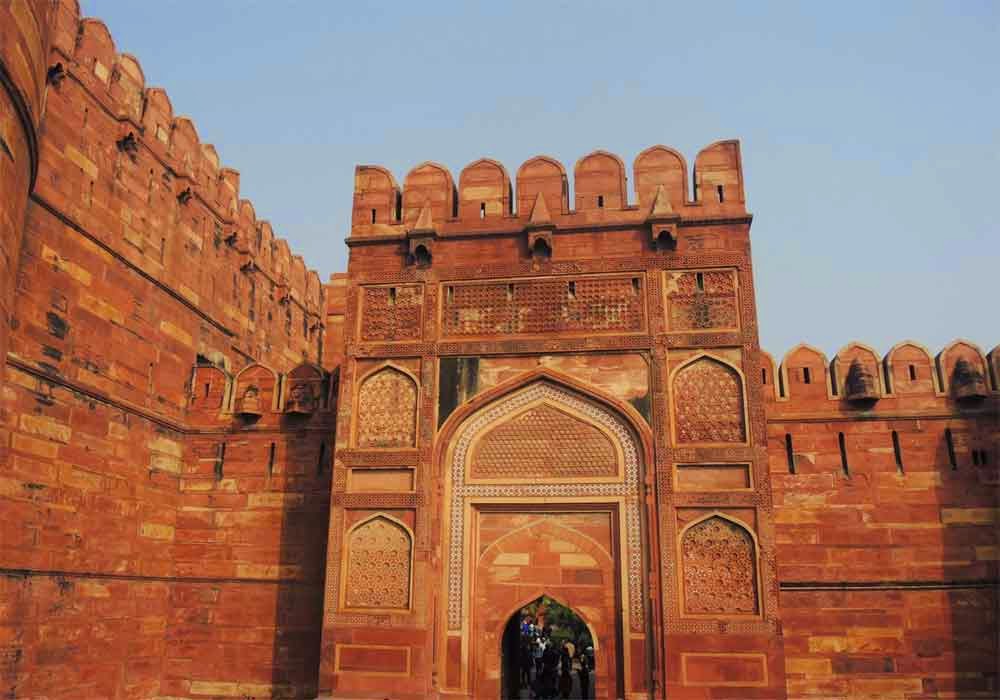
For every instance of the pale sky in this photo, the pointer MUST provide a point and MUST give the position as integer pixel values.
(870, 131)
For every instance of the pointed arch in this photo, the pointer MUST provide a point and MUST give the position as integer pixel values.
(476, 416)
(386, 408)
(950, 355)
(720, 569)
(268, 384)
(840, 364)
(708, 407)
(377, 564)
(660, 165)
(901, 379)
(546, 175)
(542, 592)
(484, 189)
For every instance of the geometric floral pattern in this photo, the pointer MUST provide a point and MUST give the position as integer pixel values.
(700, 300)
(387, 410)
(717, 556)
(627, 488)
(378, 566)
(532, 307)
(708, 403)
(544, 443)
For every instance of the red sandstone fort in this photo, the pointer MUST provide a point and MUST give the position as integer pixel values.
(221, 477)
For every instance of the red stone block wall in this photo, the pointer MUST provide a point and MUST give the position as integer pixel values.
(137, 560)
(24, 39)
(888, 567)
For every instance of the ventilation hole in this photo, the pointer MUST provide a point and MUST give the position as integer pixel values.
(270, 459)
(572, 290)
(321, 461)
(806, 377)
(949, 442)
(843, 454)
(975, 458)
(913, 373)
(600, 201)
(392, 296)
(399, 207)
(789, 453)
(699, 280)
(449, 293)
(763, 376)
(482, 210)
(897, 451)
(510, 292)
(720, 192)
(373, 216)
(206, 389)
(635, 285)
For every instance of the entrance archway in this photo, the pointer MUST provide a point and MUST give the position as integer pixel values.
(543, 496)
(546, 625)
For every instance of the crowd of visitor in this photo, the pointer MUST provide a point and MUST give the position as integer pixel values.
(547, 665)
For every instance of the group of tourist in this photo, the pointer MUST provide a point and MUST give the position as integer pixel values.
(547, 665)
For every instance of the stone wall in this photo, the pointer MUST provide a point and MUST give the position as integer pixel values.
(885, 474)
(155, 540)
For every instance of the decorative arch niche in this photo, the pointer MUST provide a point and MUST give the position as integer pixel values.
(708, 401)
(387, 409)
(378, 563)
(719, 571)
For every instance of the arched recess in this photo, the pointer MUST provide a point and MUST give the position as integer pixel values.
(719, 560)
(258, 379)
(709, 402)
(377, 565)
(552, 555)
(305, 389)
(474, 418)
(386, 408)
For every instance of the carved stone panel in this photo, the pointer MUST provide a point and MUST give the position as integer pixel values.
(391, 313)
(387, 410)
(702, 300)
(708, 403)
(720, 570)
(378, 566)
(544, 442)
(532, 307)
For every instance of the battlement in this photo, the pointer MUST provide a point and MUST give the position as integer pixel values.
(486, 200)
(145, 146)
(858, 379)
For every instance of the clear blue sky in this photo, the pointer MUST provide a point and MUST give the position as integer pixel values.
(870, 131)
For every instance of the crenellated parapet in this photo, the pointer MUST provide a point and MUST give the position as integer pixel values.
(123, 168)
(485, 200)
(857, 378)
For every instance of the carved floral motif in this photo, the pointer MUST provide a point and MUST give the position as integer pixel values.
(378, 566)
(543, 306)
(702, 300)
(387, 410)
(708, 403)
(719, 566)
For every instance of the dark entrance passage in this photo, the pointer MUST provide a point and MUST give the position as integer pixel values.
(547, 652)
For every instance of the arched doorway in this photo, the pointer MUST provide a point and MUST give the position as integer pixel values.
(543, 497)
(539, 641)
